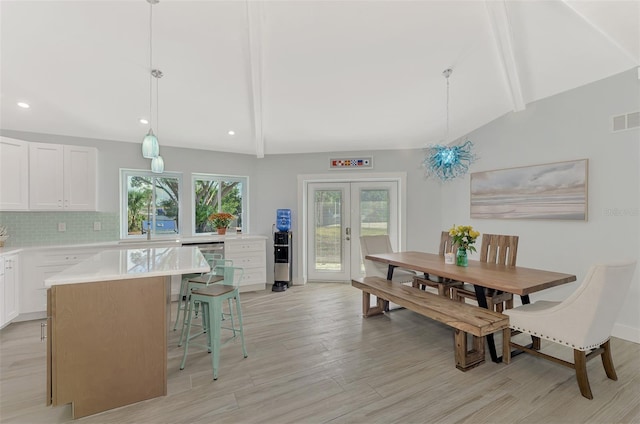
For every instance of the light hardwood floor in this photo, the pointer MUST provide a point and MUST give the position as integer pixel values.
(314, 359)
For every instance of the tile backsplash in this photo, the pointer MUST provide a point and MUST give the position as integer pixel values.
(42, 228)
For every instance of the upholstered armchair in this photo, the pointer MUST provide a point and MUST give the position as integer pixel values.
(582, 322)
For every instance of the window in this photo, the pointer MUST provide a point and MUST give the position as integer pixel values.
(152, 204)
(219, 193)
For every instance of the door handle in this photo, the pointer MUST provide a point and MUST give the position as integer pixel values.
(347, 231)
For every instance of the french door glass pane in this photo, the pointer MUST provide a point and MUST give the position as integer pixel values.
(374, 212)
(328, 230)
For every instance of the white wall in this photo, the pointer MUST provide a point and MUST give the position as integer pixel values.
(272, 182)
(568, 126)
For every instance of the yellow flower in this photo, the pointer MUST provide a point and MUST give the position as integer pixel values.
(464, 236)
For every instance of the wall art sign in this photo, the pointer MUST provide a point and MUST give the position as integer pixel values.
(351, 163)
(550, 191)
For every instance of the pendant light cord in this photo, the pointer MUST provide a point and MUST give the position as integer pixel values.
(447, 133)
(150, 62)
(447, 73)
(158, 102)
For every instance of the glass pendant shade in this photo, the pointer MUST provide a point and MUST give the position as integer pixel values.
(150, 147)
(157, 165)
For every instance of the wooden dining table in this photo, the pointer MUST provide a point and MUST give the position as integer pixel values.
(511, 279)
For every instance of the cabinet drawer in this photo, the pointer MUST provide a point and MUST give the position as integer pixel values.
(249, 260)
(253, 276)
(243, 246)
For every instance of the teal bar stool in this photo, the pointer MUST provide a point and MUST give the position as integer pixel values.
(183, 296)
(212, 298)
(216, 275)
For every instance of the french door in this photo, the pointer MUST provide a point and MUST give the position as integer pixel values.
(338, 213)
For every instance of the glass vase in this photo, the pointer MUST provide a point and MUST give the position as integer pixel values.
(461, 257)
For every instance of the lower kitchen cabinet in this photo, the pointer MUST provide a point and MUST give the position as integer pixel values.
(9, 295)
(251, 255)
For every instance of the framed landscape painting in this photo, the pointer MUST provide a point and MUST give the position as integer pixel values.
(551, 191)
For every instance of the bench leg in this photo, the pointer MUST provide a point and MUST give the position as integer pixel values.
(506, 348)
(367, 310)
(465, 360)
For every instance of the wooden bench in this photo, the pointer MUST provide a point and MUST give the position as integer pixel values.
(462, 317)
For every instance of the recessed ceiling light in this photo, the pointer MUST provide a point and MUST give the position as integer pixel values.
(143, 121)
(231, 132)
(24, 105)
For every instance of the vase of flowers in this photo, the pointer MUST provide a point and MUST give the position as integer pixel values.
(464, 236)
(220, 221)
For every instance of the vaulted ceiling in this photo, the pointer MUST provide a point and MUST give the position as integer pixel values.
(298, 76)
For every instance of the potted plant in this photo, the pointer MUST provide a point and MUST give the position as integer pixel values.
(221, 220)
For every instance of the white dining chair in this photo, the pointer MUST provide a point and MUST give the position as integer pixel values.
(582, 322)
(370, 245)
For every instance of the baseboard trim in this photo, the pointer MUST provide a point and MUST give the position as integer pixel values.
(626, 333)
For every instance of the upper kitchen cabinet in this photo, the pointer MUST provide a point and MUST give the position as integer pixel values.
(62, 177)
(14, 174)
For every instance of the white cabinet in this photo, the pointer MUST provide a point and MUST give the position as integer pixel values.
(38, 265)
(14, 174)
(9, 276)
(62, 177)
(250, 254)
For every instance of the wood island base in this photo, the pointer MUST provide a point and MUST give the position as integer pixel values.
(107, 343)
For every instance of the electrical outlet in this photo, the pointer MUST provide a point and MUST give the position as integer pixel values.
(97, 226)
(62, 226)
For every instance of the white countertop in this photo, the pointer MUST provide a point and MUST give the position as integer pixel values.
(128, 263)
(138, 243)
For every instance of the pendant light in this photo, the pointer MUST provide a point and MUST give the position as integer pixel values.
(448, 162)
(150, 146)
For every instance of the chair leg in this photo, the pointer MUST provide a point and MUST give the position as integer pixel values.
(215, 318)
(182, 302)
(239, 314)
(580, 361)
(186, 346)
(233, 324)
(509, 304)
(186, 322)
(607, 361)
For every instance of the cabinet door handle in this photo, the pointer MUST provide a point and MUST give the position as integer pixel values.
(43, 331)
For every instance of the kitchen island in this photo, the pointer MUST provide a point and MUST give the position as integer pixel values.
(107, 329)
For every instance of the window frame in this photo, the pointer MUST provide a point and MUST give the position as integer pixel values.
(124, 204)
(243, 179)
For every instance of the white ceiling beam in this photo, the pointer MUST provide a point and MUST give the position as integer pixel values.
(501, 25)
(254, 28)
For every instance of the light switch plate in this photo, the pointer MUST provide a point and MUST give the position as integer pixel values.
(62, 226)
(97, 226)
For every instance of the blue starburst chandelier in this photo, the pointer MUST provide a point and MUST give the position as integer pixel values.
(448, 162)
